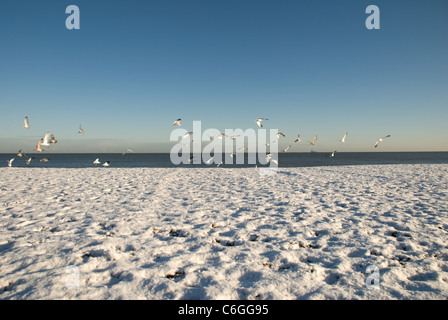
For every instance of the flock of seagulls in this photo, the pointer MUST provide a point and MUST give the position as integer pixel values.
(50, 139)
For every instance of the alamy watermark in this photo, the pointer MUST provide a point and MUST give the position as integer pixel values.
(238, 146)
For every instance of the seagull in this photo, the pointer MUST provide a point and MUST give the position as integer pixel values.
(330, 155)
(53, 140)
(298, 138)
(27, 124)
(177, 122)
(29, 160)
(127, 151)
(212, 137)
(243, 148)
(219, 164)
(268, 157)
(258, 121)
(233, 154)
(97, 161)
(314, 141)
(46, 140)
(44, 160)
(39, 144)
(209, 160)
(20, 154)
(191, 159)
(289, 147)
(234, 137)
(81, 130)
(106, 164)
(187, 134)
(222, 135)
(344, 137)
(280, 134)
(381, 139)
(10, 162)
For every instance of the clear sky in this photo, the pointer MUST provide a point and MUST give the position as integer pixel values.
(311, 67)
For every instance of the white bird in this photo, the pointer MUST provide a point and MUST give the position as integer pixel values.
(330, 155)
(344, 137)
(222, 135)
(268, 157)
(209, 160)
(53, 139)
(234, 137)
(280, 134)
(243, 148)
(106, 164)
(20, 154)
(381, 139)
(177, 122)
(187, 134)
(81, 130)
(233, 154)
(29, 160)
(289, 147)
(212, 137)
(298, 138)
(97, 161)
(258, 121)
(10, 162)
(191, 159)
(219, 164)
(127, 151)
(39, 146)
(27, 124)
(314, 141)
(46, 140)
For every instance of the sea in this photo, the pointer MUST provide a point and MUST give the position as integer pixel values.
(163, 160)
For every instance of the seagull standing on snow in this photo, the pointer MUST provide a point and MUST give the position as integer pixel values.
(177, 122)
(258, 121)
(27, 124)
(381, 139)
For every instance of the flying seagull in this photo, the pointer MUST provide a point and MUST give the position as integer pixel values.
(27, 124)
(298, 138)
(106, 164)
(330, 155)
(222, 135)
(127, 151)
(187, 134)
(344, 137)
(287, 148)
(314, 141)
(177, 122)
(10, 162)
(97, 161)
(219, 164)
(381, 139)
(39, 146)
(20, 154)
(52, 139)
(29, 160)
(209, 160)
(81, 130)
(258, 121)
(234, 137)
(280, 134)
(46, 140)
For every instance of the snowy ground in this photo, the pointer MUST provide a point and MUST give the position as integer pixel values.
(219, 233)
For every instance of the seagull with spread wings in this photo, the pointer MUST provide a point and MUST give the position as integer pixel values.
(381, 139)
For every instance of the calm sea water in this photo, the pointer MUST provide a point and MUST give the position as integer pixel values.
(162, 160)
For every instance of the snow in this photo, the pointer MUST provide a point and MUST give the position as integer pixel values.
(224, 233)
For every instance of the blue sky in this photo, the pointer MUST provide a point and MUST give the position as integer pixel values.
(311, 67)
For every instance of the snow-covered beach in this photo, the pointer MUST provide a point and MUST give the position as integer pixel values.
(220, 233)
